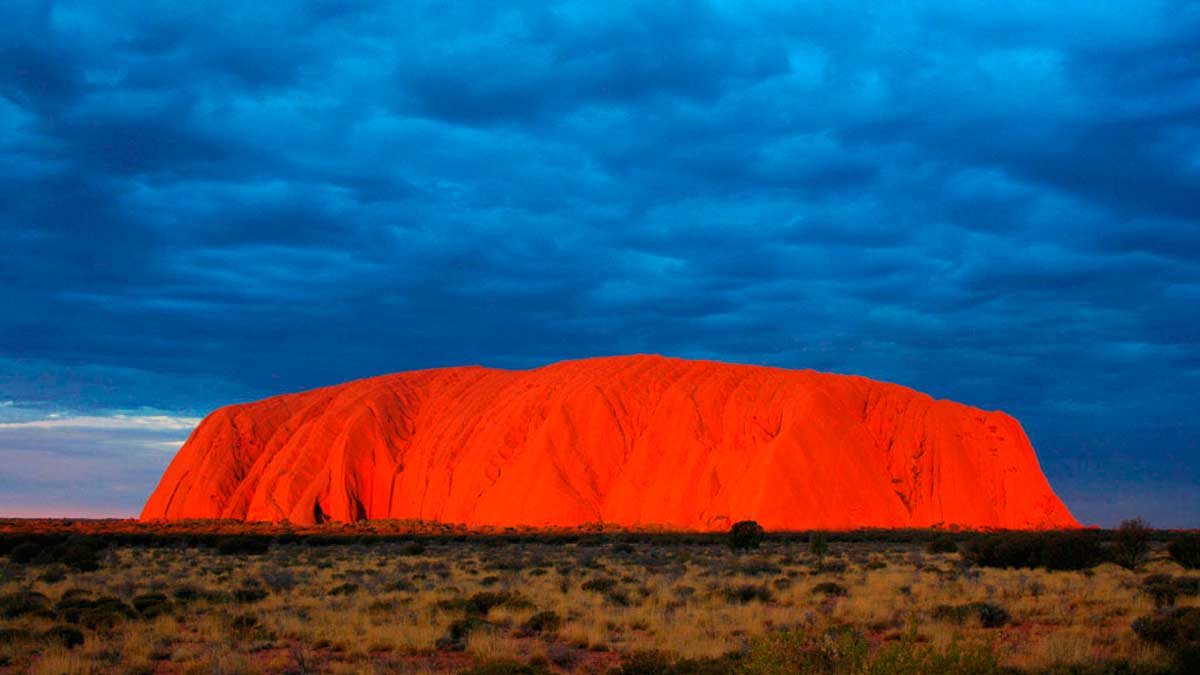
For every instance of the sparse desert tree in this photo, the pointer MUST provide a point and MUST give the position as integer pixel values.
(744, 535)
(1131, 544)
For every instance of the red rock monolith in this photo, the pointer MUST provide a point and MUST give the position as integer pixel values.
(636, 440)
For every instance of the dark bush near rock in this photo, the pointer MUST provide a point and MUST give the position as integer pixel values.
(745, 535)
(412, 548)
(1052, 550)
(943, 544)
(244, 545)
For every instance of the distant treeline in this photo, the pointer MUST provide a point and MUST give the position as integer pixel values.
(1000, 546)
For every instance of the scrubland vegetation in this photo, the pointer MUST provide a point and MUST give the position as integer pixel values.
(374, 598)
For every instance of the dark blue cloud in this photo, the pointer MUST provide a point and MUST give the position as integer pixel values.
(205, 205)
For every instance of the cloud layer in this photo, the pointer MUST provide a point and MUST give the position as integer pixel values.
(993, 205)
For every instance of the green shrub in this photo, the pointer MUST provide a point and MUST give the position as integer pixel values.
(1186, 551)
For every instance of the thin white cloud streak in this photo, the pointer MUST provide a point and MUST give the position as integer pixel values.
(115, 422)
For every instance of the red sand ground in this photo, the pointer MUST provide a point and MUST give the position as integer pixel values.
(629, 441)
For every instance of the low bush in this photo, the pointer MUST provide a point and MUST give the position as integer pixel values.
(843, 650)
(101, 613)
(24, 603)
(829, 588)
(658, 663)
(67, 636)
(150, 605)
(1186, 551)
(943, 544)
(1052, 550)
(1131, 544)
(11, 636)
(244, 545)
(481, 603)
(543, 622)
(745, 535)
(989, 615)
(1165, 589)
(505, 667)
(77, 552)
(746, 593)
(249, 593)
(1178, 631)
(24, 553)
(599, 585)
(344, 589)
(185, 594)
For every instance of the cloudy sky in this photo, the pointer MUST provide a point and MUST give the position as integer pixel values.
(201, 205)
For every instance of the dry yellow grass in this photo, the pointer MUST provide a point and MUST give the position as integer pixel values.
(360, 608)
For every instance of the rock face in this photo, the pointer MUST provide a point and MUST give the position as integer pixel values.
(637, 440)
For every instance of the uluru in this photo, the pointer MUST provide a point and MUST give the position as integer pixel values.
(628, 441)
